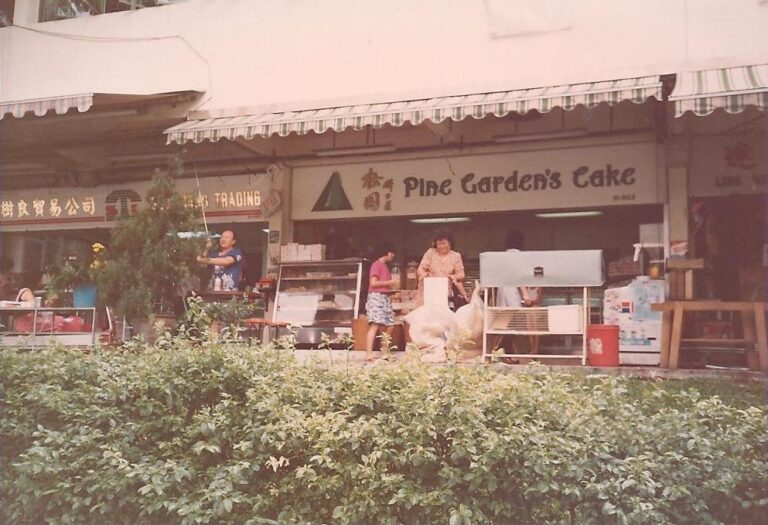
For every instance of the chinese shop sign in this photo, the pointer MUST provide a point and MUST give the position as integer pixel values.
(567, 178)
(225, 199)
(732, 165)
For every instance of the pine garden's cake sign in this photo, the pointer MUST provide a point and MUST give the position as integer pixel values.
(377, 193)
(333, 197)
(591, 176)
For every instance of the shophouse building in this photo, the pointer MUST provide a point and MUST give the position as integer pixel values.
(348, 123)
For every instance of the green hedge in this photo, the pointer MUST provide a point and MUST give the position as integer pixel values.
(243, 435)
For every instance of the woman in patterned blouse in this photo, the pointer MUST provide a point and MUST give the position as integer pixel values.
(442, 261)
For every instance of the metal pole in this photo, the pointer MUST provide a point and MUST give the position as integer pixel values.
(200, 200)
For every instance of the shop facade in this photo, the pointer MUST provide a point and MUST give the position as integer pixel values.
(568, 194)
(728, 185)
(43, 226)
(403, 139)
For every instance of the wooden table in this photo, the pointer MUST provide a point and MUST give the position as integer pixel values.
(223, 296)
(753, 327)
(254, 323)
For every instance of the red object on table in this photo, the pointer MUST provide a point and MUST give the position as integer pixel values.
(603, 345)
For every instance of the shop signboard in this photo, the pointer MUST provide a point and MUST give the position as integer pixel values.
(623, 174)
(728, 165)
(235, 198)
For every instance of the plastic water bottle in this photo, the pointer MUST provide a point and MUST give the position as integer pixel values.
(217, 284)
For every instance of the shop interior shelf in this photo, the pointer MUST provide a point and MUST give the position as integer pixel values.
(313, 307)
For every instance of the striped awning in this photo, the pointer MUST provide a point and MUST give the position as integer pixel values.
(41, 106)
(480, 105)
(732, 89)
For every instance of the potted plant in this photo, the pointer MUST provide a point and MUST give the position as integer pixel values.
(74, 283)
(140, 272)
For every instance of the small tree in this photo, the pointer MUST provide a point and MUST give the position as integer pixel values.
(146, 260)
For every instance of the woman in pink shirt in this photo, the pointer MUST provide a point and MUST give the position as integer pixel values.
(379, 306)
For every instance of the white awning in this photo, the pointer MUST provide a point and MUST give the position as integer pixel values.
(732, 89)
(41, 106)
(85, 101)
(340, 118)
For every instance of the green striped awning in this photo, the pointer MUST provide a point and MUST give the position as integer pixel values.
(479, 105)
(732, 89)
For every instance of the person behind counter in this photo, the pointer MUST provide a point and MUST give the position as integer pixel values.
(517, 296)
(378, 307)
(442, 261)
(227, 262)
(7, 292)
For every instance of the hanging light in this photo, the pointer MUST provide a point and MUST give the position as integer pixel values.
(569, 214)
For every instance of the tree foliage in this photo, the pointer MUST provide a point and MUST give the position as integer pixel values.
(146, 261)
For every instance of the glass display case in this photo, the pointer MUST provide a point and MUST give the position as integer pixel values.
(318, 297)
(33, 327)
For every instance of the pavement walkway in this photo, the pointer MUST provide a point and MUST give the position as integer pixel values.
(357, 358)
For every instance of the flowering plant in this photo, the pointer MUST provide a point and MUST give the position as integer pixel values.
(97, 263)
(73, 272)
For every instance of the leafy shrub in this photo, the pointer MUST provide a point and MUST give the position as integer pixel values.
(233, 434)
(200, 317)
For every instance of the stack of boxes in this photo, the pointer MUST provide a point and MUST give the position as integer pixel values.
(293, 252)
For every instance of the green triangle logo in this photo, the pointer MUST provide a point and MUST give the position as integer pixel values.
(333, 197)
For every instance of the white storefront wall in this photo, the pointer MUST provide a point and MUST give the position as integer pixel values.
(563, 178)
(292, 54)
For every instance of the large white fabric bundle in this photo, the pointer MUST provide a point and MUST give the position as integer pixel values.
(433, 325)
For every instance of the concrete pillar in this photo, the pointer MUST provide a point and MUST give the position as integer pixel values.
(279, 216)
(676, 205)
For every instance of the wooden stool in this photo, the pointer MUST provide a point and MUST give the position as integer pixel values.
(752, 324)
(254, 323)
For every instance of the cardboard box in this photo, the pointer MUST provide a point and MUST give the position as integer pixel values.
(302, 253)
(316, 252)
(400, 334)
(359, 331)
(292, 251)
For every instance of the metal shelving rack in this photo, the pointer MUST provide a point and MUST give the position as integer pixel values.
(43, 327)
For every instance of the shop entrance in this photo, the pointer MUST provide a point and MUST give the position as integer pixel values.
(613, 230)
(729, 233)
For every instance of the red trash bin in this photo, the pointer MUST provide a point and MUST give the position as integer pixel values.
(603, 345)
